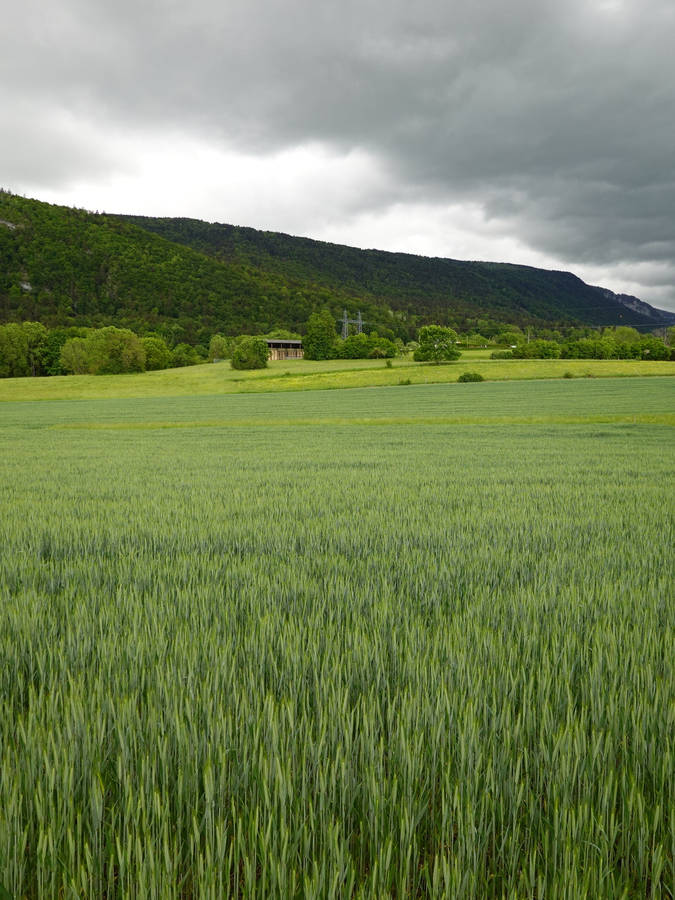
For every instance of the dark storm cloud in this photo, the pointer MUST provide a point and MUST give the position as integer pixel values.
(558, 118)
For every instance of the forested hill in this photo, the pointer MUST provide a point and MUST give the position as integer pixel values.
(63, 266)
(443, 290)
(188, 280)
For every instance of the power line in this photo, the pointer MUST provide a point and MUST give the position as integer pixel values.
(358, 321)
(606, 307)
(626, 325)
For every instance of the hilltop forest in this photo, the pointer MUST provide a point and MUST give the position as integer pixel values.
(446, 291)
(186, 280)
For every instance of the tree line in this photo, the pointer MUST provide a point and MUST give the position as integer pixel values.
(622, 342)
(31, 349)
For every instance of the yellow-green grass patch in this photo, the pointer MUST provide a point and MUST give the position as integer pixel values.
(299, 375)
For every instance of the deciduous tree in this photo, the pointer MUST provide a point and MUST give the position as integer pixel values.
(436, 344)
(157, 354)
(320, 337)
(74, 357)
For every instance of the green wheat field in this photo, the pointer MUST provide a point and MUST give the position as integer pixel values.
(405, 641)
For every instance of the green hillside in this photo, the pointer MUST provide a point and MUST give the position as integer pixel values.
(64, 266)
(441, 290)
(187, 280)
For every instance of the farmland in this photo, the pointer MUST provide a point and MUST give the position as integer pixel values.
(302, 375)
(393, 641)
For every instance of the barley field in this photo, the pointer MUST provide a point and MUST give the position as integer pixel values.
(391, 642)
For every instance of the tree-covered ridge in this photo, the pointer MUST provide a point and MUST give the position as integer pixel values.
(429, 289)
(186, 280)
(69, 267)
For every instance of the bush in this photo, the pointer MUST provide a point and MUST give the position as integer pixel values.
(538, 350)
(470, 376)
(474, 340)
(250, 353)
(501, 354)
(184, 355)
(356, 346)
(612, 345)
(366, 346)
(653, 348)
(508, 338)
(381, 348)
(589, 348)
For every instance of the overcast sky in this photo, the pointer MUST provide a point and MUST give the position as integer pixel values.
(526, 131)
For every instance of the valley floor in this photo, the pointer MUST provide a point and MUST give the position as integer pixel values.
(299, 375)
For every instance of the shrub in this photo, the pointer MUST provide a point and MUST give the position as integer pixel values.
(250, 353)
(381, 348)
(538, 350)
(366, 346)
(501, 354)
(507, 338)
(589, 348)
(356, 346)
(470, 376)
(653, 348)
(475, 340)
(184, 355)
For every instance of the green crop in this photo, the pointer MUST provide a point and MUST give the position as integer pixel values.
(338, 660)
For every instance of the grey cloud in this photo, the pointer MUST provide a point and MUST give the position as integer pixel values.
(558, 118)
(47, 149)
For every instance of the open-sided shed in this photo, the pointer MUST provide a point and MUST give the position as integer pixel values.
(291, 349)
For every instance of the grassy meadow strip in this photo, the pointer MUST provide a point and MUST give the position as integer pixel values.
(564, 400)
(299, 375)
(324, 662)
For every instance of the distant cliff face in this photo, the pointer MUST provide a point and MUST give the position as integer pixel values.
(658, 316)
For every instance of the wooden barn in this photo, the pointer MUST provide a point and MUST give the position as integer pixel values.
(282, 349)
